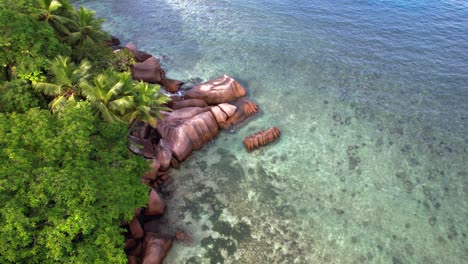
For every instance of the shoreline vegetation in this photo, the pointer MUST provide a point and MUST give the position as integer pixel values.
(84, 124)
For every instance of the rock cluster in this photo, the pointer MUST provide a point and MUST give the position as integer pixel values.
(196, 119)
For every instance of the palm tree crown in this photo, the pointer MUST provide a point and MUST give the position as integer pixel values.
(66, 81)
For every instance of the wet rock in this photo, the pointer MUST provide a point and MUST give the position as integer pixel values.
(155, 248)
(149, 71)
(140, 56)
(170, 85)
(245, 109)
(135, 229)
(136, 251)
(187, 103)
(132, 260)
(130, 243)
(261, 138)
(221, 90)
(156, 205)
(113, 41)
(174, 163)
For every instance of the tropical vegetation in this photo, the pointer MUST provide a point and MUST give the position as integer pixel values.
(67, 179)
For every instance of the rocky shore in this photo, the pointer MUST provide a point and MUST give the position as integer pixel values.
(197, 115)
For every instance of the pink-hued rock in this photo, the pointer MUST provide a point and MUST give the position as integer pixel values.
(163, 154)
(150, 175)
(245, 109)
(229, 109)
(130, 243)
(136, 251)
(135, 229)
(149, 71)
(156, 205)
(155, 248)
(187, 129)
(261, 138)
(140, 56)
(132, 260)
(221, 90)
(170, 85)
(219, 114)
(155, 164)
(187, 103)
(137, 212)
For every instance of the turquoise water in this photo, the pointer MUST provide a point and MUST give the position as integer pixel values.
(371, 97)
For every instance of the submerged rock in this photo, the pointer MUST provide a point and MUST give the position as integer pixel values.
(261, 138)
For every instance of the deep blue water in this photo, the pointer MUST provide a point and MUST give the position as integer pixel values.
(371, 97)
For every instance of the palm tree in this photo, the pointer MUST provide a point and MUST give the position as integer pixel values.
(147, 104)
(67, 79)
(110, 95)
(87, 29)
(56, 13)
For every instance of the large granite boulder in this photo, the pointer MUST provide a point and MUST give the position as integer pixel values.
(187, 129)
(155, 248)
(221, 90)
(149, 71)
(156, 205)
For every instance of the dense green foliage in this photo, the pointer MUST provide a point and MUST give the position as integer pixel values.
(66, 183)
(67, 178)
(26, 46)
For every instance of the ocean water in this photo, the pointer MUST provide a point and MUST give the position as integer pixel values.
(372, 100)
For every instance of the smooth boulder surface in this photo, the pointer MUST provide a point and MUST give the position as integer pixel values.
(187, 129)
(229, 109)
(221, 90)
(175, 105)
(219, 114)
(135, 229)
(156, 205)
(149, 71)
(155, 248)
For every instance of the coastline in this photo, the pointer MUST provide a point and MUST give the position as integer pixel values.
(197, 114)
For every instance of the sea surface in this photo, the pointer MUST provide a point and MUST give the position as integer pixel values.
(372, 100)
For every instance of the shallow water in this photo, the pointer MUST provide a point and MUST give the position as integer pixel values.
(371, 99)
